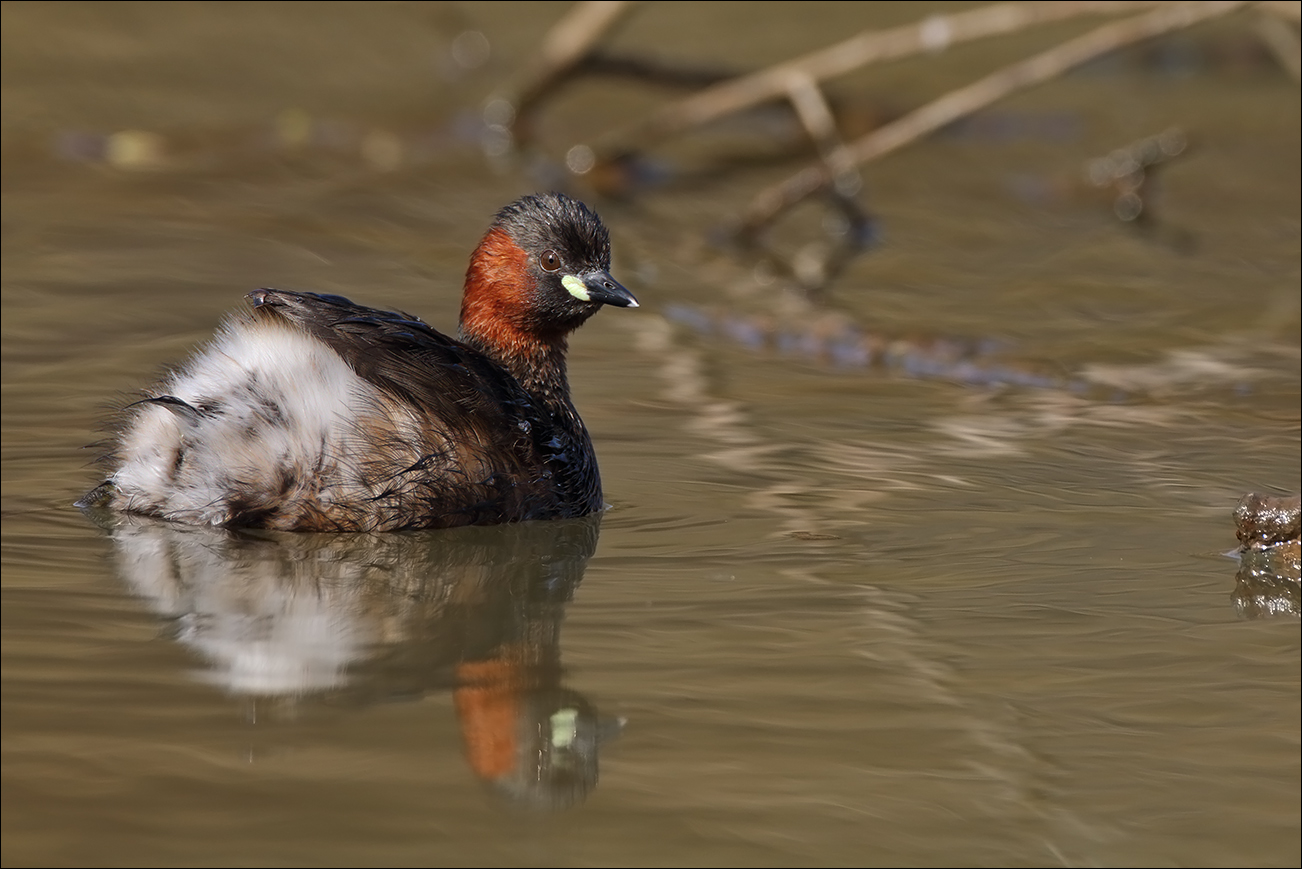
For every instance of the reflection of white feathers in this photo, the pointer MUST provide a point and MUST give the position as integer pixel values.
(275, 613)
(293, 645)
(262, 630)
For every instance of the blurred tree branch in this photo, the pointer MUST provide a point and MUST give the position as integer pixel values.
(571, 49)
(774, 201)
(933, 34)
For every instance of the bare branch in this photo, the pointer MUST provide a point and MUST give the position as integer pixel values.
(932, 34)
(567, 44)
(775, 200)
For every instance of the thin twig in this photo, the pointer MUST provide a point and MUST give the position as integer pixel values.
(872, 46)
(816, 116)
(568, 42)
(775, 200)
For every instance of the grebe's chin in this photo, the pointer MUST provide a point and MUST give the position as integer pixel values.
(311, 413)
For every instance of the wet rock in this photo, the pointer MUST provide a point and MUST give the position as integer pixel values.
(1269, 581)
(1261, 520)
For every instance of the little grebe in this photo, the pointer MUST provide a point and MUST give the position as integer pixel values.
(311, 413)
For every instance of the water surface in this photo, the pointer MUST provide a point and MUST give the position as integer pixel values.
(837, 614)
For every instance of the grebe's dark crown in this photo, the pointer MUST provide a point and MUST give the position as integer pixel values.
(553, 220)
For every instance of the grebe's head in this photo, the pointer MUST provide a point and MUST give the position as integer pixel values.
(542, 269)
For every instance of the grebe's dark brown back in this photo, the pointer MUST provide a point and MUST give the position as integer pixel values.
(312, 413)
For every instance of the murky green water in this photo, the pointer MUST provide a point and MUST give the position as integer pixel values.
(837, 615)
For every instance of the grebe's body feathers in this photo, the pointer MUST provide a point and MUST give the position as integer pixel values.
(309, 412)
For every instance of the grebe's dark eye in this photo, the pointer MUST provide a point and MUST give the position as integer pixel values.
(550, 261)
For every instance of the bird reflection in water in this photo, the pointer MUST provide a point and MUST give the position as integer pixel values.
(367, 618)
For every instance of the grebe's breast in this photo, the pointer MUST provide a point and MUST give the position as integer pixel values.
(312, 413)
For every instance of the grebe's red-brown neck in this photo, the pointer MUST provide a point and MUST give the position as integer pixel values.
(539, 273)
(498, 316)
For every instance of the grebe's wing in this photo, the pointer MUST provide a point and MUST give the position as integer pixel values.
(402, 355)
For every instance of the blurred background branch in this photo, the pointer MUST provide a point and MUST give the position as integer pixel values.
(574, 49)
(770, 203)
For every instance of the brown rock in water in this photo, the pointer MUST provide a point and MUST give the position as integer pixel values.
(1261, 520)
(1267, 583)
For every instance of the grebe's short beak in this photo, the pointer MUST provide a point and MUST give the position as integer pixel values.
(598, 286)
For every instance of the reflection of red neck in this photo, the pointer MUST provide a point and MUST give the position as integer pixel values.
(488, 707)
(498, 315)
